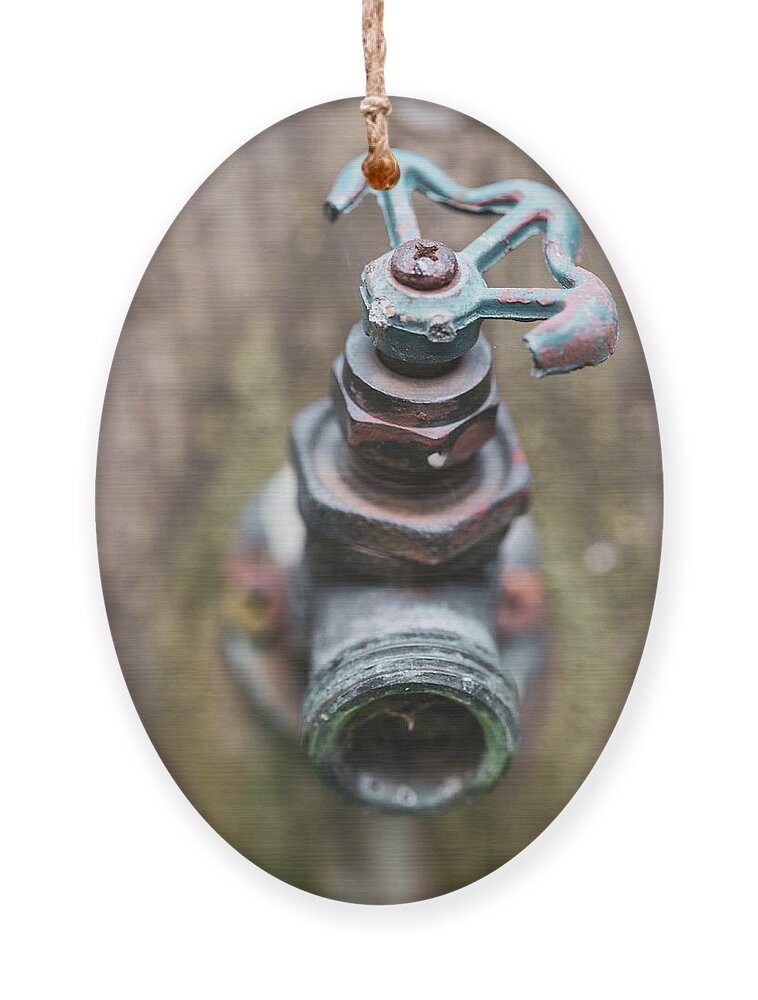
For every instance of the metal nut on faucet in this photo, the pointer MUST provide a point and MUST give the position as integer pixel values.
(411, 422)
(395, 533)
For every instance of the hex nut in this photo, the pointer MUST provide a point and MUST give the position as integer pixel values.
(402, 447)
(387, 532)
(413, 422)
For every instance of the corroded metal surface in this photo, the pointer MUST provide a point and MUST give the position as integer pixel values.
(425, 265)
(441, 644)
(439, 522)
(409, 478)
(411, 423)
(580, 322)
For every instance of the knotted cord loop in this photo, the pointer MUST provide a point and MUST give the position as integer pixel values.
(380, 168)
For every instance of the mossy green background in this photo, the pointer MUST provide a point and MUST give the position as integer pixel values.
(233, 328)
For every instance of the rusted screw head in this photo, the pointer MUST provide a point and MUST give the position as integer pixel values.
(424, 264)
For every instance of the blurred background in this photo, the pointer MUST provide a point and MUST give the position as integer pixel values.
(233, 328)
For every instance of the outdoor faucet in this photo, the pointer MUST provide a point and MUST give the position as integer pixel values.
(401, 598)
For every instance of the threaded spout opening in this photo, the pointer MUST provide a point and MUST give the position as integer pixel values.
(411, 723)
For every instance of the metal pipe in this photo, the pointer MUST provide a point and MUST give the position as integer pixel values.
(405, 697)
(408, 704)
(406, 610)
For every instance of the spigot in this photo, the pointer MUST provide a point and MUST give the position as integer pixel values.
(409, 481)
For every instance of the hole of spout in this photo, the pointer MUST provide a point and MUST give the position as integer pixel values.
(410, 751)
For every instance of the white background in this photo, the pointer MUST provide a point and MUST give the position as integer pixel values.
(113, 885)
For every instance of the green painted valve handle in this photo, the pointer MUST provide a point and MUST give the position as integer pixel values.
(424, 306)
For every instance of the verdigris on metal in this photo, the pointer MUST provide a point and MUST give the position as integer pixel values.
(384, 655)
(406, 621)
(580, 322)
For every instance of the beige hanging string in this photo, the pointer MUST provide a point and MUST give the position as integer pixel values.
(380, 168)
